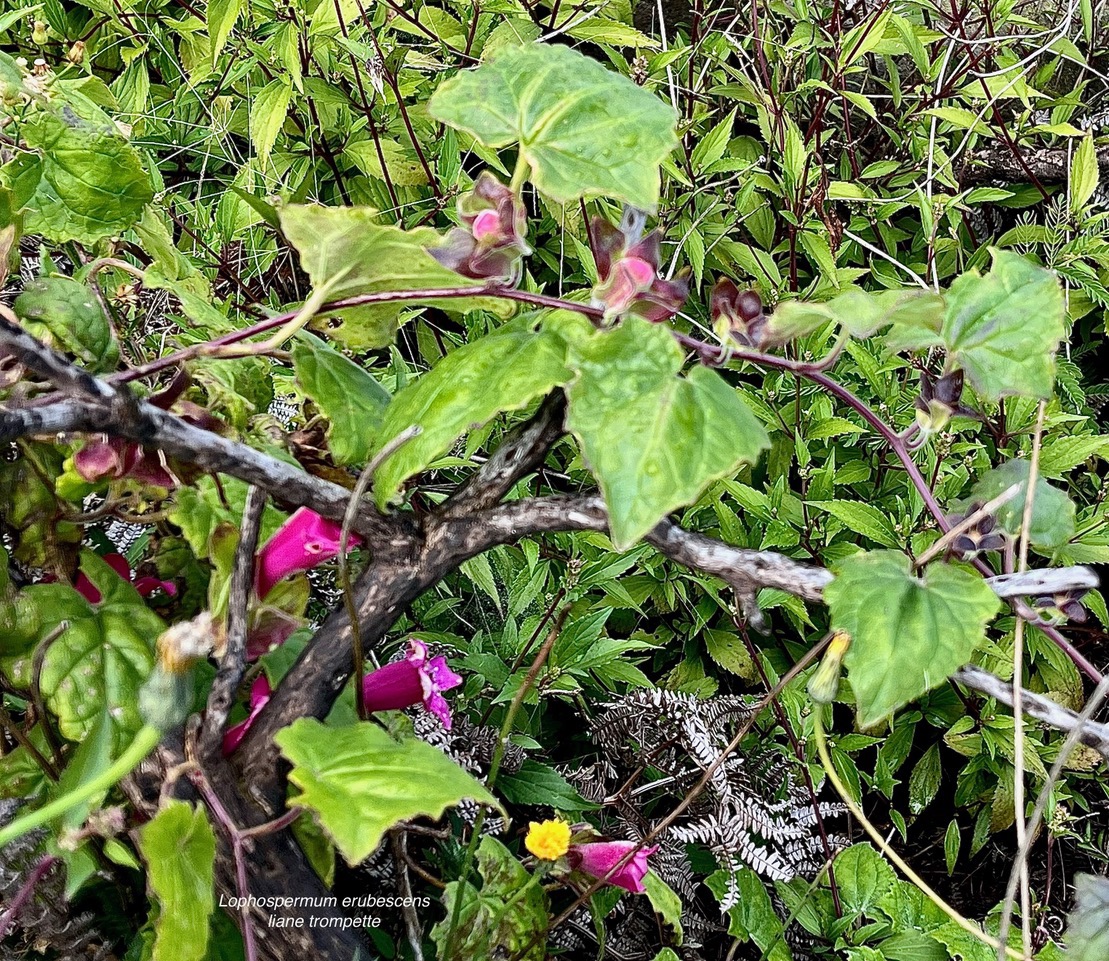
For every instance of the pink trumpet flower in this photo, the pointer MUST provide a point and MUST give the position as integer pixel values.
(304, 541)
(413, 680)
(597, 858)
(260, 694)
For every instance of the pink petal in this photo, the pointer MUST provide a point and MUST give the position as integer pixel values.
(260, 694)
(598, 858)
(487, 225)
(98, 459)
(437, 705)
(393, 687)
(441, 675)
(301, 543)
(85, 588)
(148, 585)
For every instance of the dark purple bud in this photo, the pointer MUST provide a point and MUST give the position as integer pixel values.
(738, 314)
(949, 388)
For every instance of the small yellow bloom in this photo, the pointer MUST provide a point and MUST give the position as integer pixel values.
(548, 840)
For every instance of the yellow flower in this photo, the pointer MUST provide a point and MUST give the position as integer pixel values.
(548, 840)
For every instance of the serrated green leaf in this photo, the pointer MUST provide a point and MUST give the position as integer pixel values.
(753, 918)
(653, 439)
(539, 785)
(510, 911)
(924, 782)
(360, 782)
(1003, 328)
(1083, 174)
(403, 166)
(862, 519)
(952, 841)
(710, 148)
(347, 395)
(222, 15)
(85, 185)
(502, 371)
(863, 878)
(583, 129)
(1060, 455)
(100, 661)
(908, 634)
(70, 315)
(1053, 512)
(859, 312)
(729, 652)
(179, 849)
(267, 116)
(345, 250)
(665, 901)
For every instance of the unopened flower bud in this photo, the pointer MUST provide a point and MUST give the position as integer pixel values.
(40, 34)
(824, 683)
(737, 314)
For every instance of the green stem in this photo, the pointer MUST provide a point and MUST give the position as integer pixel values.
(519, 174)
(876, 836)
(495, 767)
(145, 741)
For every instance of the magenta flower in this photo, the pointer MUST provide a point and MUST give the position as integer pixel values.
(415, 679)
(260, 694)
(301, 543)
(628, 280)
(117, 562)
(491, 243)
(597, 858)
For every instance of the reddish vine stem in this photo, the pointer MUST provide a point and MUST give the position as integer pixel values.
(19, 902)
(709, 354)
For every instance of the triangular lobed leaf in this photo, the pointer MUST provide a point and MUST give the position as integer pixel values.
(1003, 328)
(1053, 512)
(346, 394)
(502, 371)
(583, 129)
(908, 634)
(179, 848)
(360, 782)
(87, 184)
(345, 250)
(654, 440)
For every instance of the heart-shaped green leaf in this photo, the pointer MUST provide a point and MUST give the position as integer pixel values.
(86, 184)
(1002, 328)
(908, 634)
(582, 129)
(348, 396)
(179, 848)
(653, 439)
(346, 251)
(360, 782)
(502, 371)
